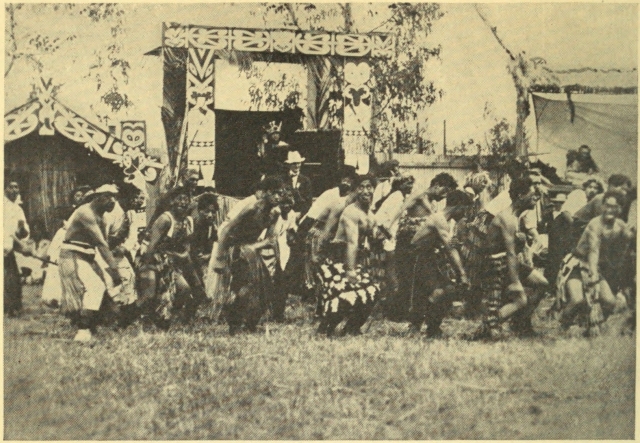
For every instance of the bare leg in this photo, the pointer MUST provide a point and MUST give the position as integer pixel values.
(510, 309)
(607, 299)
(88, 320)
(254, 309)
(147, 286)
(575, 293)
(184, 300)
(332, 320)
(357, 318)
(535, 286)
(279, 297)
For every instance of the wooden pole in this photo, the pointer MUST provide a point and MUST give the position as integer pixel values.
(444, 143)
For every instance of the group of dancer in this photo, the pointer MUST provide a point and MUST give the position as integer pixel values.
(370, 241)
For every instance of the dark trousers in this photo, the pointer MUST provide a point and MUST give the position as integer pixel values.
(12, 286)
(278, 303)
(397, 304)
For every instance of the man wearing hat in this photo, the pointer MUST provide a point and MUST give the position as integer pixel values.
(272, 152)
(83, 284)
(300, 184)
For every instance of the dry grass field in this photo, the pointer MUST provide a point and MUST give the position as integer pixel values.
(196, 382)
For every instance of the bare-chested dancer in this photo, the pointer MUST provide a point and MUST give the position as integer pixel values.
(503, 273)
(321, 223)
(241, 253)
(168, 280)
(412, 214)
(437, 268)
(590, 274)
(83, 285)
(348, 288)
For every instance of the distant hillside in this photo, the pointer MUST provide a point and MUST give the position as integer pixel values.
(602, 79)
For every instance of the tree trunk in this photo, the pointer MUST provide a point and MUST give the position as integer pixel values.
(348, 17)
(522, 112)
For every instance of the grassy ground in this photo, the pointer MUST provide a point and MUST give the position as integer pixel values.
(286, 383)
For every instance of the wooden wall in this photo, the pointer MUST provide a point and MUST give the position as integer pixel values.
(48, 168)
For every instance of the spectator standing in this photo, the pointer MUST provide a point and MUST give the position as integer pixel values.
(15, 229)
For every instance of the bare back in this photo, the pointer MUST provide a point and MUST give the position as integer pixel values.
(421, 206)
(246, 227)
(433, 232)
(505, 224)
(333, 215)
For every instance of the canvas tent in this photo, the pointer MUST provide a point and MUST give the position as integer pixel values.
(608, 124)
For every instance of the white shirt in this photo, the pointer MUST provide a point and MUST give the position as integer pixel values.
(281, 229)
(320, 208)
(386, 214)
(12, 216)
(633, 214)
(576, 200)
(294, 181)
(382, 190)
(113, 220)
(501, 202)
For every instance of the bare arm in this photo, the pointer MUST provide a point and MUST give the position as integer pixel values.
(350, 228)
(408, 203)
(411, 201)
(158, 230)
(444, 235)
(225, 235)
(593, 257)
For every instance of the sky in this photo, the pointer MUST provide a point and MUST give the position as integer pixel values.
(471, 70)
(570, 35)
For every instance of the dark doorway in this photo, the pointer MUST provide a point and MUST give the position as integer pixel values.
(238, 134)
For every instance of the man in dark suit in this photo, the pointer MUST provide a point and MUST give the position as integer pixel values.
(300, 184)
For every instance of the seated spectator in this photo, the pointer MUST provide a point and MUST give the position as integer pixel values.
(581, 161)
(580, 197)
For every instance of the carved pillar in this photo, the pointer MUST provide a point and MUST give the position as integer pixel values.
(356, 130)
(200, 139)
